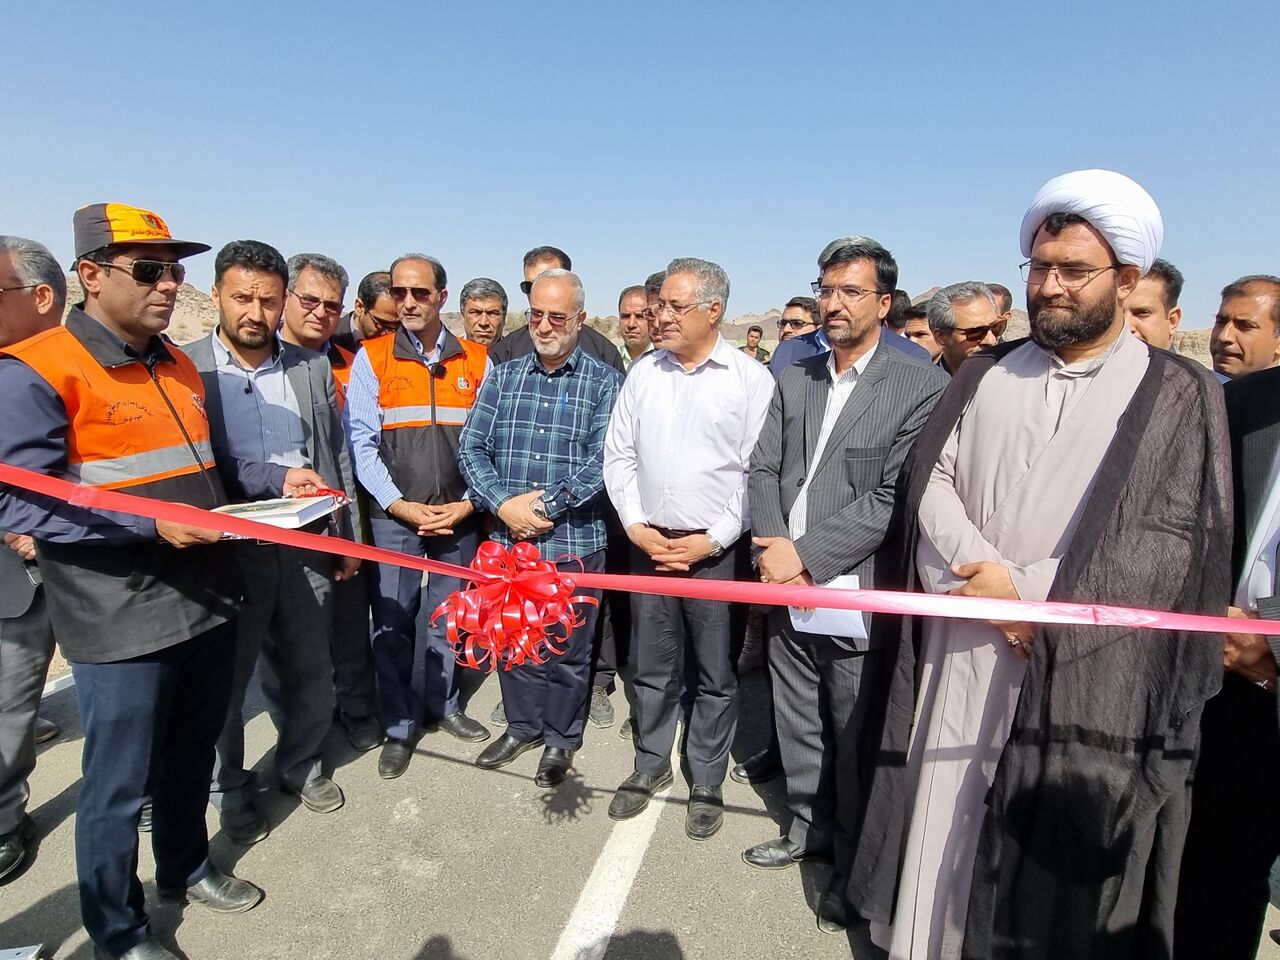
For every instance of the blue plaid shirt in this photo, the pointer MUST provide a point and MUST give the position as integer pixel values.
(534, 430)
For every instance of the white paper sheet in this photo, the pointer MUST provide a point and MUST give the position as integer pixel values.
(834, 623)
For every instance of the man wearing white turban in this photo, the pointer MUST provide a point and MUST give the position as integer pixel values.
(1030, 793)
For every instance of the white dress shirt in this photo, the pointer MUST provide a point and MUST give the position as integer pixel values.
(680, 441)
(841, 389)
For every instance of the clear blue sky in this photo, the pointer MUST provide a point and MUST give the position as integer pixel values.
(747, 133)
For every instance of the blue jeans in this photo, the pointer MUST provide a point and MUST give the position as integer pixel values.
(149, 724)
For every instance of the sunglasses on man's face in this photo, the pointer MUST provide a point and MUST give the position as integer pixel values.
(420, 294)
(149, 272)
(794, 324)
(526, 286)
(974, 334)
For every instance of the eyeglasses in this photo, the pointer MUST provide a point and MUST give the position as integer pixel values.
(148, 272)
(975, 334)
(676, 309)
(29, 286)
(420, 294)
(794, 324)
(526, 286)
(1069, 277)
(535, 317)
(847, 294)
(310, 304)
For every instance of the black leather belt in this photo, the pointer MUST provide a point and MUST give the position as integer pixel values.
(675, 534)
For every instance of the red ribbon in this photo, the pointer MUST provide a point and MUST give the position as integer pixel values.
(509, 581)
(509, 614)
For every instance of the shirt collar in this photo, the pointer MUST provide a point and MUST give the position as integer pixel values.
(418, 345)
(535, 363)
(226, 358)
(859, 366)
(108, 348)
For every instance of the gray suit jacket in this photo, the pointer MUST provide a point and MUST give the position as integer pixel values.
(852, 491)
(326, 442)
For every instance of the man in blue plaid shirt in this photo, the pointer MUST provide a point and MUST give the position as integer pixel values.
(532, 452)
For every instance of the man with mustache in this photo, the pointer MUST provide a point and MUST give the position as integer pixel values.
(272, 401)
(410, 395)
(1246, 330)
(373, 315)
(533, 454)
(1152, 309)
(1037, 805)
(484, 310)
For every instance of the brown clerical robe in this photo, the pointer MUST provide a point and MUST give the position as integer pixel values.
(1074, 848)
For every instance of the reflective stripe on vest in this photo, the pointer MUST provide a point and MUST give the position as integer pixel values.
(146, 467)
(421, 416)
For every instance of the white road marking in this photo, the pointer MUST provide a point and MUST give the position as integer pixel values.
(595, 916)
(59, 683)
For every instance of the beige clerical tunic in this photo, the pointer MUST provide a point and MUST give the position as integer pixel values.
(1009, 488)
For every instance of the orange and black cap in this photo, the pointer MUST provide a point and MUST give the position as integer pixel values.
(102, 224)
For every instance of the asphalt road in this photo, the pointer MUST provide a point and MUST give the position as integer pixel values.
(453, 863)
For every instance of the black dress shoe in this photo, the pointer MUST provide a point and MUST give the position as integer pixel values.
(553, 767)
(464, 728)
(774, 854)
(243, 825)
(705, 814)
(363, 733)
(834, 913)
(46, 730)
(503, 750)
(13, 846)
(635, 792)
(147, 950)
(394, 759)
(217, 891)
(319, 794)
(144, 818)
(758, 768)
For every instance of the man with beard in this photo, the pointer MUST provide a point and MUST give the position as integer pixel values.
(533, 454)
(1246, 330)
(484, 311)
(822, 490)
(799, 317)
(1152, 310)
(271, 401)
(1038, 807)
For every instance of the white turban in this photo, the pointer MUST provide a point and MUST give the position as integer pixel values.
(1113, 204)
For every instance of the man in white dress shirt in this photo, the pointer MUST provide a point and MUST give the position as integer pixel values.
(675, 462)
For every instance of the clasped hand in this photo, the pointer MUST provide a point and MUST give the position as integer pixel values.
(675, 554)
(431, 520)
(1248, 654)
(517, 513)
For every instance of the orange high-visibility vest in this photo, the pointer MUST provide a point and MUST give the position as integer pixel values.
(423, 410)
(131, 428)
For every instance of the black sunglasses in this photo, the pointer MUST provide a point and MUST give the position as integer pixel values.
(149, 272)
(526, 286)
(421, 294)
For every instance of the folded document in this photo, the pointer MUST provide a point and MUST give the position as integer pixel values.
(833, 623)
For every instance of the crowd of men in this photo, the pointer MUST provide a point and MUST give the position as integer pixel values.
(982, 788)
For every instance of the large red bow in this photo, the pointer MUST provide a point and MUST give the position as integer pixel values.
(505, 616)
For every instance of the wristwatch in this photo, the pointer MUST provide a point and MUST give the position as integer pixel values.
(716, 548)
(539, 509)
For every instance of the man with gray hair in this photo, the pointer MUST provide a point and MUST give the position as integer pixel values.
(541, 474)
(33, 291)
(483, 303)
(963, 319)
(675, 464)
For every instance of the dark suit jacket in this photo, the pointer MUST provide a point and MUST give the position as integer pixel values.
(1253, 420)
(16, 588)
(851, 490)
(325, 440)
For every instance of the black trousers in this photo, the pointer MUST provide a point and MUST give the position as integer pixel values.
(822, 691)
(353, 677)
(550, 699)
(150, 722)
(665, 630)
(1234, 836)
